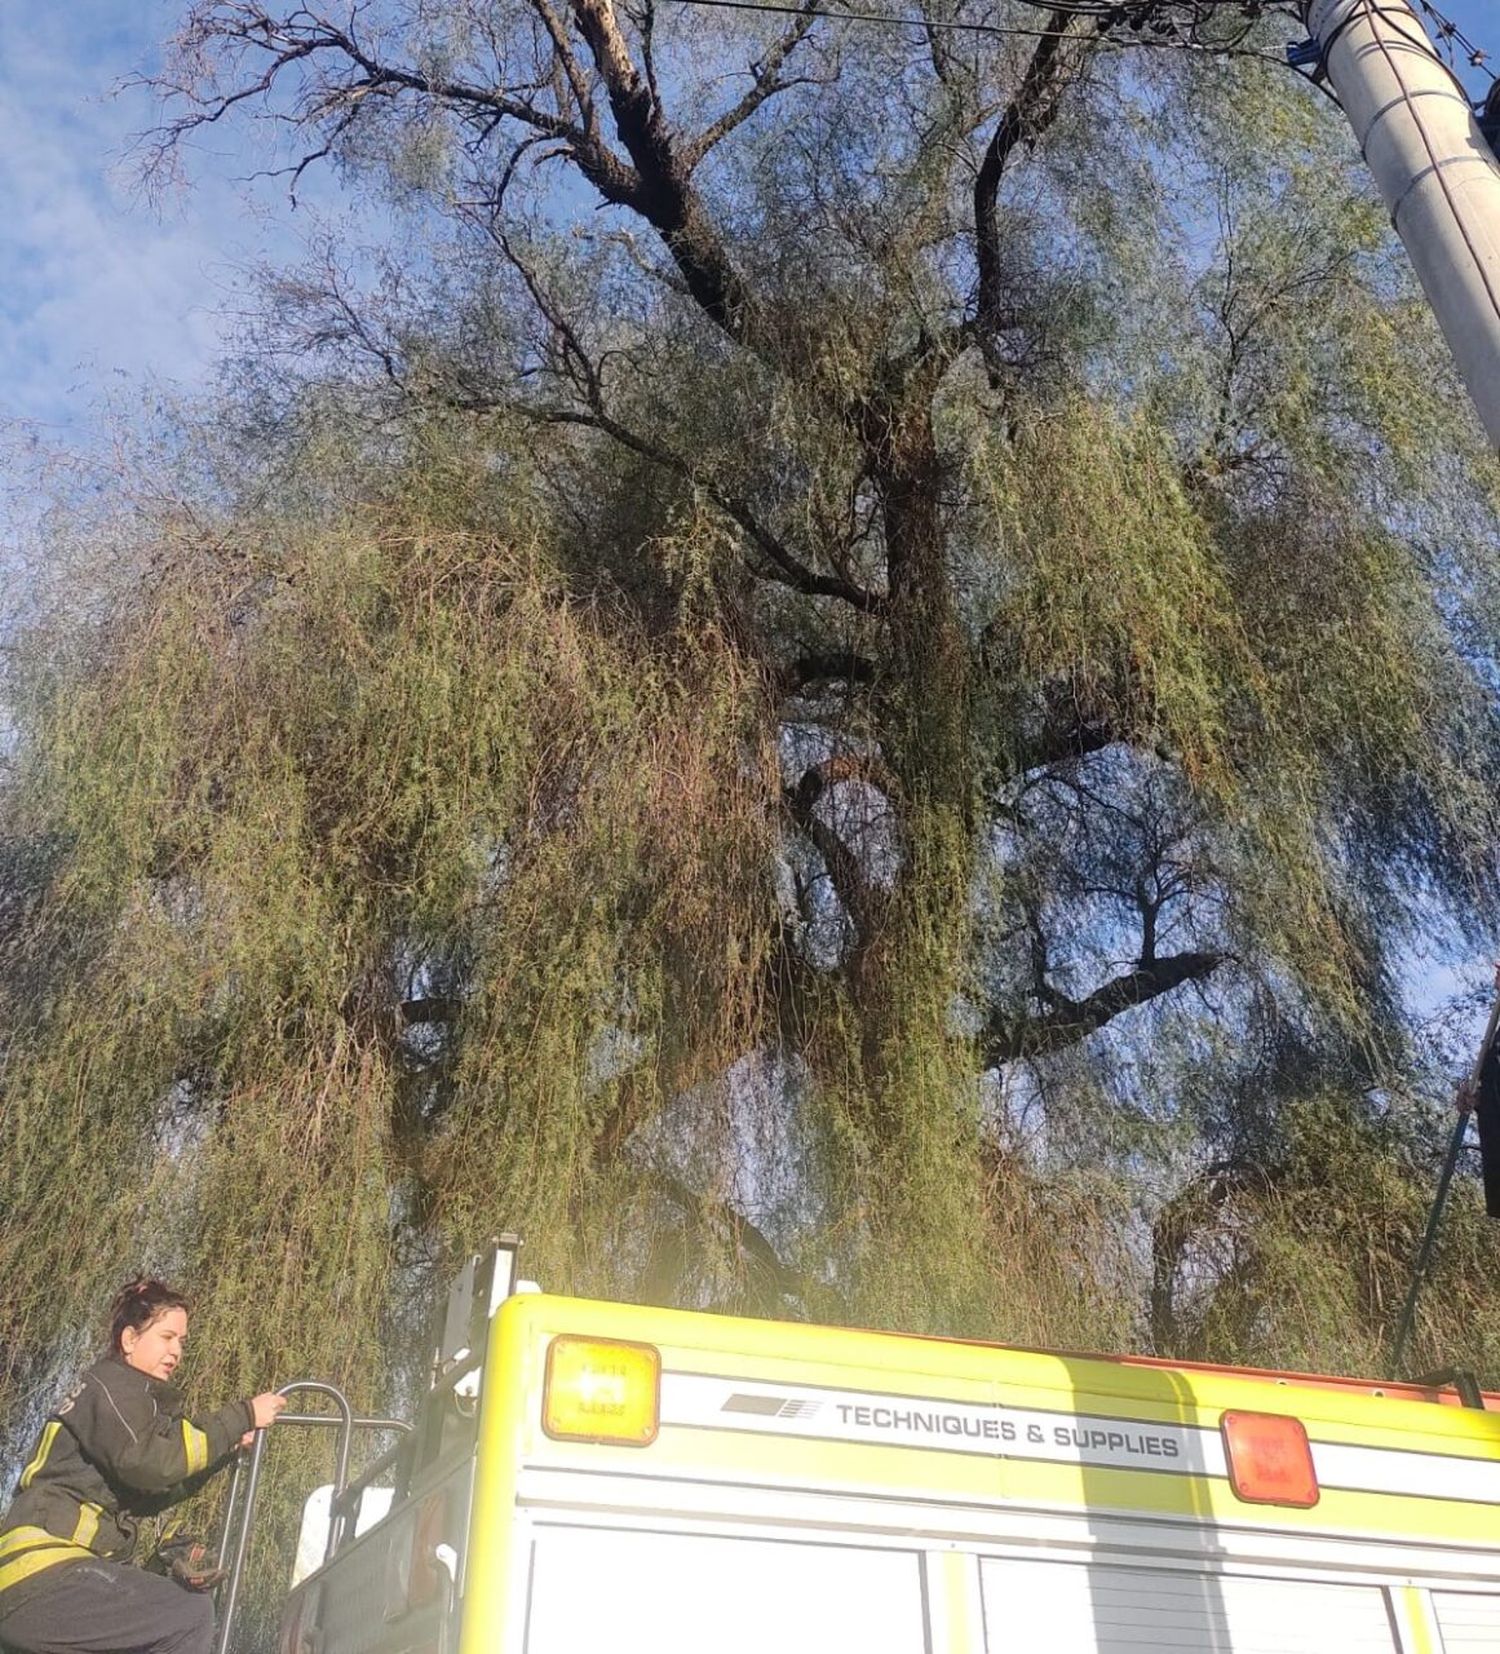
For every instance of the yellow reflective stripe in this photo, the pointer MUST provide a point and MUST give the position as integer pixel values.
(33, 1562)
(195, 1444)
(88, 1524)
(49, 1435)
(1418, 1619)
(17, 1539)
(30, 1550)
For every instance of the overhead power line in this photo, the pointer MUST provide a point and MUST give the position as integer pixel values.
(1453, 40)
(1167, 23)
(1160, 17)
(882, 19)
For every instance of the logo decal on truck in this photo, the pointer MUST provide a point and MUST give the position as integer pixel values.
(958, 1427)
(772, 1407)
(1093, 1441)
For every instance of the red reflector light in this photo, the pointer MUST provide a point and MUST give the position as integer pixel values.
(1270, 1461)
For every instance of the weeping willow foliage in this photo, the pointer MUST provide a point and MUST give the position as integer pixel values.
(371, 887)
(374, 882)
(302, 785)
(1310, 1255)
(1293, 663)
(441, 815)
(344, 770)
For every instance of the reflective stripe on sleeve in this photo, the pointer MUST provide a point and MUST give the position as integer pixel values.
(44, 1447)
(195, 1443)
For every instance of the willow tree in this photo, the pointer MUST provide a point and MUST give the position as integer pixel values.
(833, 684)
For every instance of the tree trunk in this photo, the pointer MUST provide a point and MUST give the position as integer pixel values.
(908, 966)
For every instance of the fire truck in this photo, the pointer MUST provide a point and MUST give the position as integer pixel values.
(591, 1476)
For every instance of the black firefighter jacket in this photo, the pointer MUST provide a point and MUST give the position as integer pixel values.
(120, 1447)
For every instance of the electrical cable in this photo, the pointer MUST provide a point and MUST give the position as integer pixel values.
(1145, 13)
(1450, 34)
(1397, 14)
(884, 19)
(1173, 24)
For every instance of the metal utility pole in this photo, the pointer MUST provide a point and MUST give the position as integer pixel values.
(1467, 1099)
(1437, 173)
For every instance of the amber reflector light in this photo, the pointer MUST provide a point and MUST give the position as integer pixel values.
(602, 1390)
(1270, 1461)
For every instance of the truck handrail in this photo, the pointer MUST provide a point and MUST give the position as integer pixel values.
(239, 1515)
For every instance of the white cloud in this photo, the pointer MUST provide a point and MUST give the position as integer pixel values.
(97, 290)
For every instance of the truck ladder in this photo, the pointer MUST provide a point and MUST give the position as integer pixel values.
(239, 1515)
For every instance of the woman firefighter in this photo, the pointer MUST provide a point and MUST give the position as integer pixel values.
(121, 1446)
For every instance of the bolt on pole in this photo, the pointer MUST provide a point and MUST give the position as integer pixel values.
(1437, 173)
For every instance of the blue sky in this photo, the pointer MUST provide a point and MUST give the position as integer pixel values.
(96, 292)
(100, 292)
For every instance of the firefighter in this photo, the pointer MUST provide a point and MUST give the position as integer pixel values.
(120, 1447)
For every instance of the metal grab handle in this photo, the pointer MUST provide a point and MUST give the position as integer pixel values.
(359, 1421)
(252, 1487)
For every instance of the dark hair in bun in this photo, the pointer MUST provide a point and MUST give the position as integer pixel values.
(137, 1304)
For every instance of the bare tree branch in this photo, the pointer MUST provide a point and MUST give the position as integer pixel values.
(784, 566)
(660, 189)
(1007, 1038)
(655, 182)
(303, 36)
(842, 667)
(781, 565)
(432, 1008)
(714, 1213)
(861, 900)
(766, 83)
(566, 61)
(1029, 113)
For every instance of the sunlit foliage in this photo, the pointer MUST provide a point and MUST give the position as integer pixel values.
(869, 750)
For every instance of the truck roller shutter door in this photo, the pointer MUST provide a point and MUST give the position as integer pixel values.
(1079, 1608)
(622, 1591)
(1469, 1621)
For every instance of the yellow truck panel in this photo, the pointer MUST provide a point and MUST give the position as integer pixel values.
(804, 1486)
